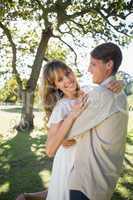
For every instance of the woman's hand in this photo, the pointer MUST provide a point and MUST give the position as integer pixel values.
(69, 142)
(79, 106)
(116, 86)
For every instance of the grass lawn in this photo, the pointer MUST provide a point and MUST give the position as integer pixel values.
(24, 166)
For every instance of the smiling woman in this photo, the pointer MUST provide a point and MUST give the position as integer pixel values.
(66, 81)
(59, 81)
(61, 89)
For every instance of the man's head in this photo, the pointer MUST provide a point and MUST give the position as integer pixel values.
(105, 61)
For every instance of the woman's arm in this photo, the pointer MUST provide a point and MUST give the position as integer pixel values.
(57, 132)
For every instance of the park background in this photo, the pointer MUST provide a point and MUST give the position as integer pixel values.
(31, 33)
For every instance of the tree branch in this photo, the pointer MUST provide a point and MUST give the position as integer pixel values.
(5, 72)
(46, 59)
(67, 32)
(14, 52)
(58, 37)
(81, 13)
(114, 27)
(81, 26)
(45, 13)
(97, 10)
(113, 12)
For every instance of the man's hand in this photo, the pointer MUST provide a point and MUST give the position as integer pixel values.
(68, 143)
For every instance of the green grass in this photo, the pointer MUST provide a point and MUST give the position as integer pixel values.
(24, 166)
(130, 100)
(124, 189)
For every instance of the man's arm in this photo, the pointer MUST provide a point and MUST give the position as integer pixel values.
(102, 104)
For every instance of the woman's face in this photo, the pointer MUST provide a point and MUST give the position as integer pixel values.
(65, 80)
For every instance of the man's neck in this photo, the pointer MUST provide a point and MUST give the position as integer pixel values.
(107, 80)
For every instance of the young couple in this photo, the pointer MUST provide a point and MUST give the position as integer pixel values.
(87, 128)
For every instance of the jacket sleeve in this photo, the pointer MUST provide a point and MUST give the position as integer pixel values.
(102, 104)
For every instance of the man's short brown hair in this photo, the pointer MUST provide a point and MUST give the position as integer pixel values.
(108, 51)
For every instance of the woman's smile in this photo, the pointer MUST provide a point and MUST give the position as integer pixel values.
(66, 82)
(70, 85)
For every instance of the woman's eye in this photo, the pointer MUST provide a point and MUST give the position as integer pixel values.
(67, 73)
(60, 79)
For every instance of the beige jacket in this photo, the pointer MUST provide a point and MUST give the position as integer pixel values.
(101, 131)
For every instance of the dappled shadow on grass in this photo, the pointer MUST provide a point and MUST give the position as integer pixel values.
(22, 158)
(16, 109)
(124, 189)
(12, 110)
(130, 140)
(128, 162)
(117, 196)
(128, 185)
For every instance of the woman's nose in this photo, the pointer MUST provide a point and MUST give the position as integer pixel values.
(66, 78)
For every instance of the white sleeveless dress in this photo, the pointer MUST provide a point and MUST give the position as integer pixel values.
(64, 157)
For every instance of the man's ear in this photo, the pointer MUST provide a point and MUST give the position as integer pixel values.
(110, 65)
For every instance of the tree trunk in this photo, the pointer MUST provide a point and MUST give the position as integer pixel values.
(26, 122)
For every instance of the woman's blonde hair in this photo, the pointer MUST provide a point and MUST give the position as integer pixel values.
(50, 94)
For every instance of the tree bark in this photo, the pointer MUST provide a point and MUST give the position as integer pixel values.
(26, 122)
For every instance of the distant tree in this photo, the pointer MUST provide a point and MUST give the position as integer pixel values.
(128, 80)
(130, 102)
(9, 93)
(129, 88)
(46, 19)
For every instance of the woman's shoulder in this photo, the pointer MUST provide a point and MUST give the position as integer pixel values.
(62, 104)
(64, 101)
(60, 111)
